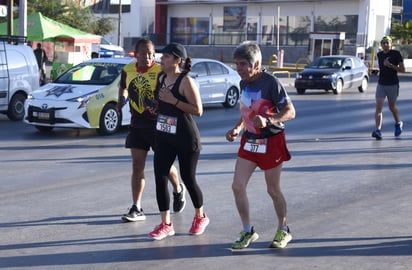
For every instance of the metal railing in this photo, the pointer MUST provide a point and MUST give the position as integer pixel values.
(234, 38)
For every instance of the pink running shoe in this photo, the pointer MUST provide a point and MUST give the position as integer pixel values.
(199, 225)
(161, 231)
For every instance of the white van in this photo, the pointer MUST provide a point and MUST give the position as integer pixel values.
(19, 75)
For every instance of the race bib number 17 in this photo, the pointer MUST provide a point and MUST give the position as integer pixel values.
(256, 145)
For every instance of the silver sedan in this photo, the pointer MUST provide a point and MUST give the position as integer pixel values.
(218, 82)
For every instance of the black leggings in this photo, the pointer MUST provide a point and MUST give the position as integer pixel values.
(164, 157)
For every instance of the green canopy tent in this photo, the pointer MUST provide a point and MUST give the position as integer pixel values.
(41, 28)
(71, 45)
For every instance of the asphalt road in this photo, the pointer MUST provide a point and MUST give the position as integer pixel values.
(349, 207)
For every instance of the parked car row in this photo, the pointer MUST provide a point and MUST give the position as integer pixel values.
(85, 96)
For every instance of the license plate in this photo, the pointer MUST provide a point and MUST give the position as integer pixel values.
(43, 115)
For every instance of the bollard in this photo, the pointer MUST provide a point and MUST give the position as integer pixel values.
(280, 58)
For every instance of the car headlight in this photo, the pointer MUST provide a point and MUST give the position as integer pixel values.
(329, 76)
(30, 96)
(298, 76)
(83, 100)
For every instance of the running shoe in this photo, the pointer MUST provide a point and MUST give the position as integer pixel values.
(199, 225)
(245, 238)
(161, 231)
(281, 240)
(377, 134)
(179, 200)
(398, 129)
(134, 215)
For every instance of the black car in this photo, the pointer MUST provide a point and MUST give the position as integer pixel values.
(334, 72)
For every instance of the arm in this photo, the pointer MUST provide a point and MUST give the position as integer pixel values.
(189, 90)
(286, 113)
(45, 59)
(122, 98)
(232, 134)
(122, 94)
(399, 68)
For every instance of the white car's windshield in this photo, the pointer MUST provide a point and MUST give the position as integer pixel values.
(91, 73)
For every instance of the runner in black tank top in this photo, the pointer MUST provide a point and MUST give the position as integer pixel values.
(177, 135)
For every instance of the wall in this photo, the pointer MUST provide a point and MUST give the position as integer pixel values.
(138, 21)
(224, 53)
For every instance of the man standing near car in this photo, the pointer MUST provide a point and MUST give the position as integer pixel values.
(390, 63)
(41, 58)
(138, 84)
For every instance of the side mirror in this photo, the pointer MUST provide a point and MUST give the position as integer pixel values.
(193, 75)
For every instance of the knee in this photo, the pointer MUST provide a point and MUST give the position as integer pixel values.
(274, 193)
(173, 173)
(392, 107)
(138, 168)
(238, 187)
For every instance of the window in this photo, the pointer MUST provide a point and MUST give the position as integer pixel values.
(200, 69)
(190, 30)
(215, 69)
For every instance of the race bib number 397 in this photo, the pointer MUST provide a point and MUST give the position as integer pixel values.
(255, 145)
(166, 124)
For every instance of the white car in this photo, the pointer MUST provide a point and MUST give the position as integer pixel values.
(85, 96)
(218, 82)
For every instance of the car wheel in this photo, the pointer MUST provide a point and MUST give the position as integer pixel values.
(232, 98)
(16, 107)
(339, 86)
(362, 88)
(109, 120)
(44, 129)
(300, 91)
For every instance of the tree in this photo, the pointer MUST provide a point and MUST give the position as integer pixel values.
(103, 26)
(70, 13)
(402, 31)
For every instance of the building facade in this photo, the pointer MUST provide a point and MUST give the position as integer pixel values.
(211, 28)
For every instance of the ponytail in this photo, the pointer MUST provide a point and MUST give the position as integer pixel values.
(187, 65)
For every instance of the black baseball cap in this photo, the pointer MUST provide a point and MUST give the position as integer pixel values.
(176, 49)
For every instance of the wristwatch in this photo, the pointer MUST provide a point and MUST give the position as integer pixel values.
(268, 122)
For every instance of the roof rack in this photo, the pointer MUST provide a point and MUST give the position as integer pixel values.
(11, 39)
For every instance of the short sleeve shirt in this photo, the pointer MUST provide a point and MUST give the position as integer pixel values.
(140, 84)
(389, 76)
(265, 96)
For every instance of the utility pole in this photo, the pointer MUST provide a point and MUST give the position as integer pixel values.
(10, 18)
(23, 18)
(119, 24)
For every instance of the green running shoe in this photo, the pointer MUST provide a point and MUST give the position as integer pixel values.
(245, 239)
(281, 240)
